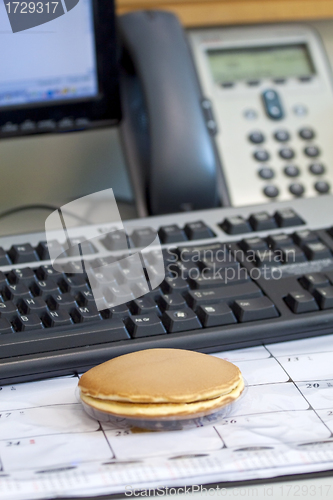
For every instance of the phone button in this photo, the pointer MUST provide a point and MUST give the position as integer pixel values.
(256, 137)
(322, 187)
(296, 189)
(307, 134)
(261, 155)
(282, 135)
(291, 171)
(286, 153)
(272, 104)
(266, 173)
(312, 151)
(317, 169)
(300, 110)
(250, 114)
(227, 85)
(271, 191)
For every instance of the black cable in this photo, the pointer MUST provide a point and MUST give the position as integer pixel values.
(51, 208)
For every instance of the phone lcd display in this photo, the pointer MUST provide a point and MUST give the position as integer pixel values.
(260, 62)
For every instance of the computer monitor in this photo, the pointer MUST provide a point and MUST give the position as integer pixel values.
(60, 74)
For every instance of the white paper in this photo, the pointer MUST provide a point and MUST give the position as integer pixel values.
(283, 425)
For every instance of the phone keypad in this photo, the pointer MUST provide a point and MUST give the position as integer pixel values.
(287, 152)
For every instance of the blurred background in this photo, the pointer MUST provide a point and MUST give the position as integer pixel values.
(70, 159)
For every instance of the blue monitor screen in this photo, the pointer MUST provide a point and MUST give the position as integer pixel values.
(51, 63)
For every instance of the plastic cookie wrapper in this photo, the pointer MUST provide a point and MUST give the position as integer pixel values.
(172, 423)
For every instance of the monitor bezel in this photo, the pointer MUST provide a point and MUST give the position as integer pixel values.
(102, 110)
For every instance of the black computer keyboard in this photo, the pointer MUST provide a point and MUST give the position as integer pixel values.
(234, 278)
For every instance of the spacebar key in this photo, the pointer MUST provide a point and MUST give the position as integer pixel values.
(228, 294)
(55, 339)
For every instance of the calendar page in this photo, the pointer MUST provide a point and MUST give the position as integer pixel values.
(50, 447)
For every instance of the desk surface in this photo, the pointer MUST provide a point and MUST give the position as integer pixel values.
(282, 426)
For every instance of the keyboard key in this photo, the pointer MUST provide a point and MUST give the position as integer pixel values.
(145, 305)
(44, 272)
(267, 258)
(8, 310)
(262, 221)
(301, 302)
(180, 320)
(73, 268)
(183, 270)
(305, 236)
(4, 258)
(317, 250)
(25, 276)
(5, 326)
(253, 244)
(145, 325)
(80, 246)
(57, 318)
(314, 280)
(171, 284)
(235, 225)
(73, 284)
(3, 279)
(27, 322)
(28, 306)
(254, 309)
(87, 248)
(115, 240)
(198, 231)
(45, 288)
(43, 250)
(287, 217)
(217, 264)
(117, 312)
(85, 298)
(171, 234)
(61, 301)
(118, 294)
(228, 277)
(217, 279)
(324, 297)
(171, 302)
(170, 255)
(279, 240)
(143, 237)
(19, 254)
(216, 315)
(292, 255)
(248, 290)
(84, 314)
(187, 253)
(16, 292)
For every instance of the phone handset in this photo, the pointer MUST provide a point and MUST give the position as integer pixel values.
(165, 129)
